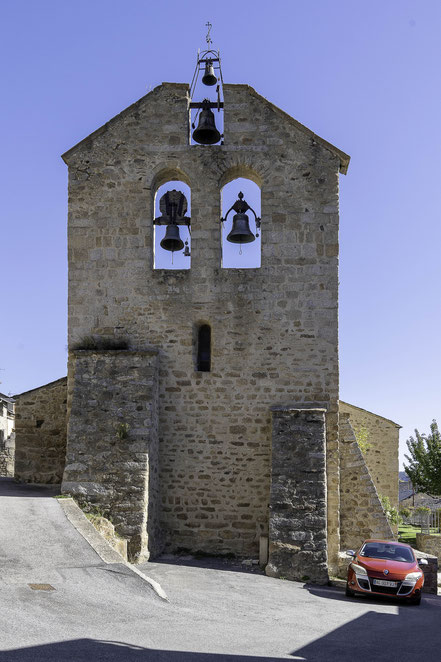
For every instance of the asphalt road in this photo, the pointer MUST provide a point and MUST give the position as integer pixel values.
(216, 613)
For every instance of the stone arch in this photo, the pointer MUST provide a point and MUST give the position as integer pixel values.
(169, 173)
(240, 178)
(240, 170)
(162, 181)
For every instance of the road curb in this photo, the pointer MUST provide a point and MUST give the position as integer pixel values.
(100, 545)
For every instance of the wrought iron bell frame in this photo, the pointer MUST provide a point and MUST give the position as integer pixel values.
(241, 206)
(208, 56)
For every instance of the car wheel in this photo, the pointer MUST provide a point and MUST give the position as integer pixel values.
(415, 601)
(349, 593)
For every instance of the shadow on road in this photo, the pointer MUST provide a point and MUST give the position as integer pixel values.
(412, 633)
(209, 563)
(87, 650)
(334, 593)
(9, 488)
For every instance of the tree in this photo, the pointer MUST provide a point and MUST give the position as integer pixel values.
(424, 459)
(391, 513)
(362, 436)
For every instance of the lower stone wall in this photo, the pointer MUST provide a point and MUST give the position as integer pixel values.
(40, 433)
(297, 522)
(432, 557)
(112, 448)
(361, 513)
(430, 544)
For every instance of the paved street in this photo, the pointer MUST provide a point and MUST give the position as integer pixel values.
(216, 613)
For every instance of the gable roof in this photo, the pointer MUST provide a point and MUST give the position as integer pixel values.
(37, 388)
(348, 404)
(342, 156)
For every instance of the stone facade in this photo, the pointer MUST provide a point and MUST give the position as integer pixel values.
(7, 435)
(274, 329)
(40, 434)
(382, 448)
(112, 456)
(361, 513)
(297, 525)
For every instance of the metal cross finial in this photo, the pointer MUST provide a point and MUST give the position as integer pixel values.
(208, 38)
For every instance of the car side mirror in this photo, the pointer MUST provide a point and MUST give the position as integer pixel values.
(350, 553)
(422, 562)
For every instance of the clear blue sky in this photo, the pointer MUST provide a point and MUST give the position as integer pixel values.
(363, 75)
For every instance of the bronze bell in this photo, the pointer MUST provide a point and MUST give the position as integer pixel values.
(209, 77)
(206, 132)
(172, 241)
(240, 231)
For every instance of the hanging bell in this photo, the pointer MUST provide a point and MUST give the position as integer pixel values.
(172, 241)
(206, 132)
(240, 231)
(209, 77)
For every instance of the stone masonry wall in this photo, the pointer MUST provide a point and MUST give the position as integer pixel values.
(274, 329)
(7, 453)
(40, 433)
(381, 456)
(297, 528)
(112, 457)
(361, 512)
(431, 551)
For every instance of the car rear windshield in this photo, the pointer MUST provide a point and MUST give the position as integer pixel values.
(377, 550)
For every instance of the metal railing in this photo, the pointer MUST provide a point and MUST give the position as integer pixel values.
(430, 522)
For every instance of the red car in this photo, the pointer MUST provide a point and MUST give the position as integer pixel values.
(386, 567)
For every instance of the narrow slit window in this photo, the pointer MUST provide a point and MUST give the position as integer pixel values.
(204, 349)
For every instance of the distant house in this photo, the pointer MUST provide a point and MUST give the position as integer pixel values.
(405, 487)
(7, 441)
(411, 498)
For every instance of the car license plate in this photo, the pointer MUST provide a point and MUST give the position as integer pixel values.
(383, 582)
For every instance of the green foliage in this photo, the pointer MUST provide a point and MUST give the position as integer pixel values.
(421, 510)
(424, 459)
(390, 512)
(405, 512)
(122, 430)
(362, 436)
(99, 344)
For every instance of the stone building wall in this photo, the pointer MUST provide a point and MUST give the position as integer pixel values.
(112, 458)
(40, 433)
(274, 329)
(361, 513)
(7, 455)
(7, 436)
(382, 454)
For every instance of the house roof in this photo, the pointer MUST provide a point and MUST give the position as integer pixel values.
(56, 381)
(372, 413)
(343, 157)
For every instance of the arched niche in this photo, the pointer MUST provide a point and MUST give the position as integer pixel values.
(169, 180)
(244, 180)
